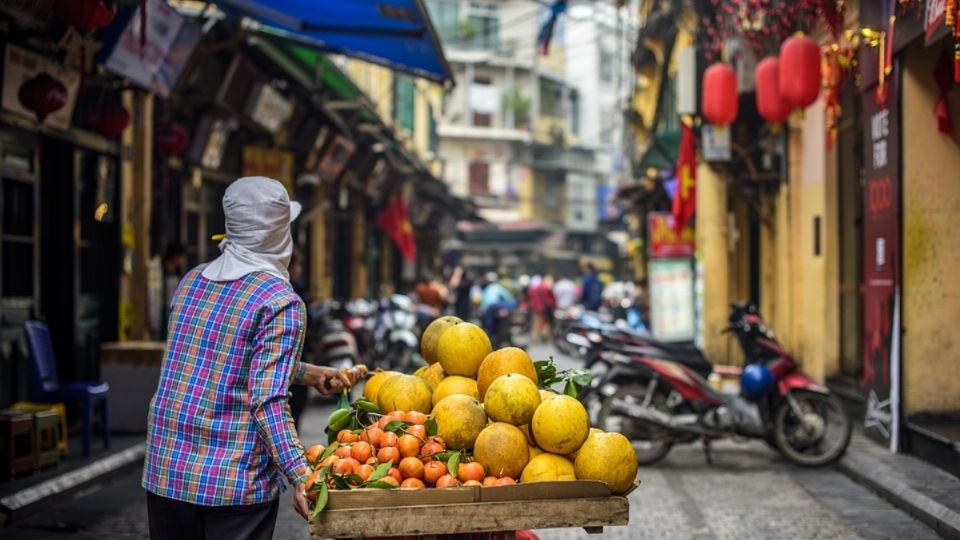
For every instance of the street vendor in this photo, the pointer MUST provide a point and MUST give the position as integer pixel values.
(220, 435)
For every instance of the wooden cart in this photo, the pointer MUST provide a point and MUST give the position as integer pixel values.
(542, 505)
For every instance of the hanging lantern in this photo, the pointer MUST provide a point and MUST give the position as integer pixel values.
(43, 95)
(800, 71)
(720, 101)
(109, 119)
(171, 139)
(770, 103)
(86, 15)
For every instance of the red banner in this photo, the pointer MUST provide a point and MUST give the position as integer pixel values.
(664, 241)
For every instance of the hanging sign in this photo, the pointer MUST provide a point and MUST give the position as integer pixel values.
(158, 63)
(21, 65)
(716, 142)
(664, 241)
(269, 162)
(934, 21)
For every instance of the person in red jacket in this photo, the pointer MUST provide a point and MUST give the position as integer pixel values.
(542, 304)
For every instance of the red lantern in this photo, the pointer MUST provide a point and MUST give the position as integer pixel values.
(171, 139)
(770, 103)
(86, 15)
(43, 95)
(800, 71)
(720, 101)
(109, 119)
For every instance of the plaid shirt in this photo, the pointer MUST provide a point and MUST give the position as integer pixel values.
(220, 430)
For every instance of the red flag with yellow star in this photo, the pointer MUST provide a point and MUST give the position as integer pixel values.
(685, 199)
(394, 221)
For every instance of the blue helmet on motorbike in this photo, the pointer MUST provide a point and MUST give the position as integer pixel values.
(756, 380)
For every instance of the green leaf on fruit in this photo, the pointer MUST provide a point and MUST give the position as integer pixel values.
(380, 485)
(382, 470)
(431, 427)
(396, 427)
(322, 499)
(329, 452)
(453, 463)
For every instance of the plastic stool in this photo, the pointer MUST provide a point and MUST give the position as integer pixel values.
(57, 408)
(46, 431)
(16, 442)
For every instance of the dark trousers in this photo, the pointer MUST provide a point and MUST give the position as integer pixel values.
(178, 520)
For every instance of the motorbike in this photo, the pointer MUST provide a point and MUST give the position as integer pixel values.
(395, 335)
(360, 317)
(332, 343)
(658, 402)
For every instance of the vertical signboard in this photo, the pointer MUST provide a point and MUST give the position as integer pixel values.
(881, 244)
(671, 299)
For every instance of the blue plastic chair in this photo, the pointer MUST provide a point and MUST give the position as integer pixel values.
(46, 387)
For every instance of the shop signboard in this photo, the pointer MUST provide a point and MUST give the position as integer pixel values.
(672, 316)
(157, 61)
(664, 241)
(269, 162)
(934, 21)
(881, 244)
(21, 65)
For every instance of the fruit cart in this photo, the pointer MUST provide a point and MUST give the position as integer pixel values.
(541, 505)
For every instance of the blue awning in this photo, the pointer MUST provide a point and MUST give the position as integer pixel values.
(393, 33)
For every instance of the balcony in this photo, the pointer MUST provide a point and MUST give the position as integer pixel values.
(459, 131)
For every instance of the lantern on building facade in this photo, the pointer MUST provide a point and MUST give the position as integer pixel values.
(720, 102)
(42, 95)
(109, 119)
(86, 15)
(770, 103)
(171, 139)
(800, 76)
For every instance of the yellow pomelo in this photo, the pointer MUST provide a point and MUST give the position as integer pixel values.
(548, 468)
(534, 451)
(573, 455)
(462, 348)
(372, 386)
(434, 375)
(503, 361)
(512, 398)
(454, 384)
(419, 371)
(405, 393)
(502, 450)
(526, 433)
(431, 337)
(460, 419)
(560, 425)
(547, 394)
(607, 457)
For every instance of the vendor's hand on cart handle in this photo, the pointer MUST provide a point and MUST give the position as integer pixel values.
(330, 381)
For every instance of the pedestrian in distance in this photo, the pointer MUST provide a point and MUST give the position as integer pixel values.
(542, 304)
(591, 294)
(220, 433)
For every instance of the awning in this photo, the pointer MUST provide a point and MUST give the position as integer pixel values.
(662, 152)
(397, 34)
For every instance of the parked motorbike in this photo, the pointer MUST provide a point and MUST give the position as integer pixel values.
(360, 318)
(333, 344)
(658, 402)
(395, 336)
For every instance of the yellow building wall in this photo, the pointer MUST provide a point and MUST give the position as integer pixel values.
(931, 248)
(712, 238)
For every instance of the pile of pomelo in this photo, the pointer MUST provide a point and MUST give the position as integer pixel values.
(474, 416)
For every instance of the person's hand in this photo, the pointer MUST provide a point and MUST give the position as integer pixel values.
(328, 381)
(300, 503)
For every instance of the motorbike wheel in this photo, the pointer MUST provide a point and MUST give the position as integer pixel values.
(649, 441)
(819, 435)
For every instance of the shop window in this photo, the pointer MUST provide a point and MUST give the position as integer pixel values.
(445, 15)
(479, 178)
(403, 102)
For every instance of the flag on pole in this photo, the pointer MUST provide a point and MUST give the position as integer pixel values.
(394, 221)
(685, 197)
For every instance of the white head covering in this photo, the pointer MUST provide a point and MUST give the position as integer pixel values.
(257, 215)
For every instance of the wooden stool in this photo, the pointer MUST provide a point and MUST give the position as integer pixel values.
(16, 442)
(56, 408)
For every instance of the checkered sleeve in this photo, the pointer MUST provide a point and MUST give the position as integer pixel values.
(275, 361)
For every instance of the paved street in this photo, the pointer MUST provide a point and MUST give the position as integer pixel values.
(748, 492)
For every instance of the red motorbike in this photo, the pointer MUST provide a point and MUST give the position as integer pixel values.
(659, 402)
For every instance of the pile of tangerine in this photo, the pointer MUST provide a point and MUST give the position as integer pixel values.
(413, 454)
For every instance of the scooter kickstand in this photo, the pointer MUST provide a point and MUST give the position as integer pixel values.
(707, 452)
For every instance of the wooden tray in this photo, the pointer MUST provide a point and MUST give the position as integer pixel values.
(544, 505)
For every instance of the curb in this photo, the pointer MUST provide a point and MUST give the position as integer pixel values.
(26, 501)
(883, 479)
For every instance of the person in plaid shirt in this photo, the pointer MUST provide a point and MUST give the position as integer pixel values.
(220, 433)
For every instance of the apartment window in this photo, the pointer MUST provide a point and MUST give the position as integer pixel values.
(607, 64)
(445, 15)
(551, 98)
(403, 102)
(482, 30)
(479, 178)
(484, 101)
(575, 112)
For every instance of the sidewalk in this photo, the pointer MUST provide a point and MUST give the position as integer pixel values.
(916, 487)
(21, 497)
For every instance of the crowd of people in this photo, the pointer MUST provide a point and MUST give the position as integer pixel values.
(482, 298)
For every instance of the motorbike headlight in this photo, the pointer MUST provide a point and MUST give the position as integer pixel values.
(594, 337)
(608, 389)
